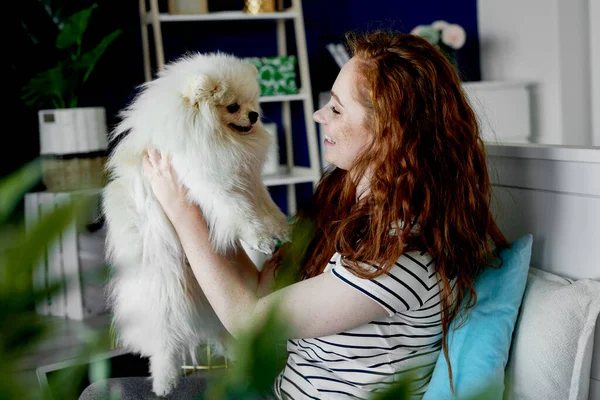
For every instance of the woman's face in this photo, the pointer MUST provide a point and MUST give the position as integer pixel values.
(344, 120)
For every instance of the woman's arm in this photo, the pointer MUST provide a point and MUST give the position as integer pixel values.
(260, 281)
(248, 272)
(315, 307)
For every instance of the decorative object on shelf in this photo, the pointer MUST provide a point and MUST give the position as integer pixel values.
(445, 36)
(272, 163)
(276, 75)
(72, 140)
(259, 6)
(188, 6)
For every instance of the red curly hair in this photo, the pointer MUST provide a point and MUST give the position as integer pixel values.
(427, 166)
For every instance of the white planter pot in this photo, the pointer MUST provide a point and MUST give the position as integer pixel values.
(72, 130)
(73, 144)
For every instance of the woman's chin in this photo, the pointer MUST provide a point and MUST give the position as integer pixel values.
(331, 161)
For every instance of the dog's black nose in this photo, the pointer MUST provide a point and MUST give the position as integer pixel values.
(253, 116)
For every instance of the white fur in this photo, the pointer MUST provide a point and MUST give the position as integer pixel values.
(159, 309)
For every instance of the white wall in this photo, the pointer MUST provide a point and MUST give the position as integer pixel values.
(545, 42)
(574, 78)
(594, 12)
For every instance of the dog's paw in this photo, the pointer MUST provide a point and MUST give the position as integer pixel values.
(282, 233)
(263, 244)
(278, 227)
(162, 387)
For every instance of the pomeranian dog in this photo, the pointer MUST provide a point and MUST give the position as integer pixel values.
(203, 112)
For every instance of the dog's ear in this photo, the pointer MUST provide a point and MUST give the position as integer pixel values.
(202, 87)
(253, 68)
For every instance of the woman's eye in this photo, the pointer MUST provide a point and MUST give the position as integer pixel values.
(333, 110)
(232, 108)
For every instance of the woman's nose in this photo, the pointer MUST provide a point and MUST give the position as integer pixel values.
(318, 117)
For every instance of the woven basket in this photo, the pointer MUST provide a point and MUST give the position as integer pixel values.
(76, 173)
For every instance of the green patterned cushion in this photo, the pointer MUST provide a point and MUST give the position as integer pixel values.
(276, 75)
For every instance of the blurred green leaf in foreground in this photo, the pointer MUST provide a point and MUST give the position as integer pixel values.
(22, 329)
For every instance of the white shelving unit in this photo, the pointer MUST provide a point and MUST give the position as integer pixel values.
(290, 174)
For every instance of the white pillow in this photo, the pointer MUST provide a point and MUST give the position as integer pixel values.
(551, 351)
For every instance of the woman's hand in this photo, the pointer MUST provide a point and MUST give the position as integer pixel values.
(169, 192)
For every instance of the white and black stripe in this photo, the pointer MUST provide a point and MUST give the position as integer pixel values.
(370, 358)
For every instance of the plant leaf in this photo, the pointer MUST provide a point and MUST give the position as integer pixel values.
(14, 186)
(88, 61)
(259, 356)
(400, 390)
(74, 27)
(21, 328)
(24, 250)
(46, 87)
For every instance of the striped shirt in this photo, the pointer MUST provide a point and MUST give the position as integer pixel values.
(369, 358)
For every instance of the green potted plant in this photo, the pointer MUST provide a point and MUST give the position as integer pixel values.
(73, 140)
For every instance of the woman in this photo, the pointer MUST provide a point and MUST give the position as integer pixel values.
(402, 228)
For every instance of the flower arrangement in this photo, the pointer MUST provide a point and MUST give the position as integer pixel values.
(445, 36)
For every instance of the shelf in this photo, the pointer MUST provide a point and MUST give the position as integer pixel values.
(297, 175)
(283, 97)
(225, 16)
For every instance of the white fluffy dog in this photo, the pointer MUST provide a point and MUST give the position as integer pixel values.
(203, 112)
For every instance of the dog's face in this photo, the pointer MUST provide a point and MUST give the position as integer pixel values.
(231, 95)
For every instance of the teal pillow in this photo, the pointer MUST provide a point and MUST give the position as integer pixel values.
(479, 348)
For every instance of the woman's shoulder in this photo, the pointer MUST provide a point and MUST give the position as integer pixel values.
(406, 285)
(420, 265)
(417, 260)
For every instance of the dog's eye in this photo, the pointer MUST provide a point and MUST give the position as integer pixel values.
(232, 108)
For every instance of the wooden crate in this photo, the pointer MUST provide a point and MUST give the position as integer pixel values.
(71, 259)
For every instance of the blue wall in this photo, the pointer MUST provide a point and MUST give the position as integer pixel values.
(327, 21)
(117, 74)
